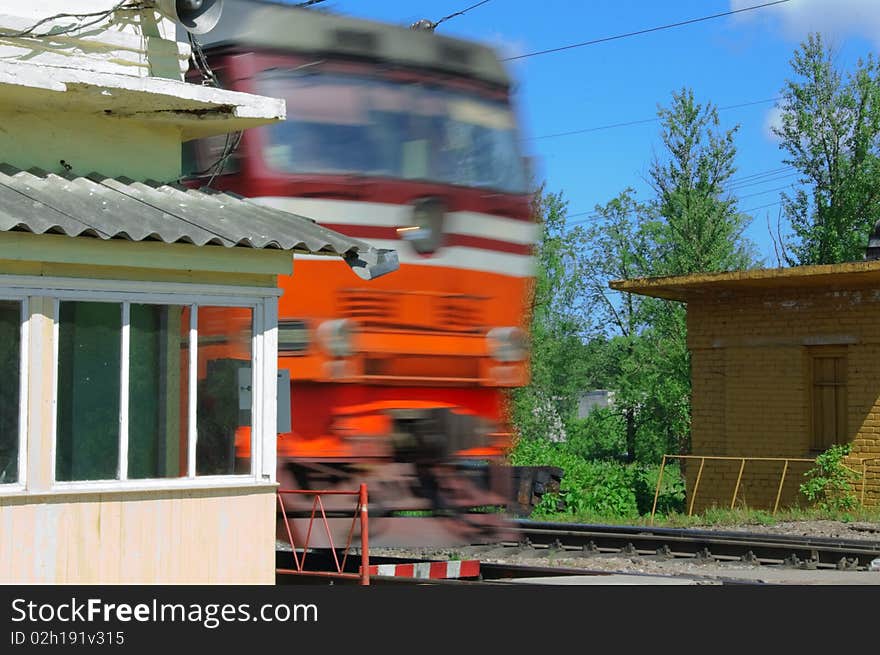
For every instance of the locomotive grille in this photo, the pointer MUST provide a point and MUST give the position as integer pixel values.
(422, 311)
(459, 313)
(368, 307)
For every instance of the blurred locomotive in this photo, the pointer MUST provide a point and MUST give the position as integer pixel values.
(407, 139)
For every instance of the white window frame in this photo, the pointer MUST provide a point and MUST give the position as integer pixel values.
(23, 384)
(263, 302)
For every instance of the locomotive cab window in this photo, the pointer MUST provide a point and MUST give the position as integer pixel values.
(340, 123)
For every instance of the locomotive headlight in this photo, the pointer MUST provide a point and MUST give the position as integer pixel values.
(337, 337)
(426, 231)
(508, 344)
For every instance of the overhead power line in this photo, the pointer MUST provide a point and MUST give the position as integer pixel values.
(429, 25)
(762, 177)
(761, 193)
(762, 180)
(638, 122)
(646, 31)
(459, 13)
(769, 204)
(771, 171)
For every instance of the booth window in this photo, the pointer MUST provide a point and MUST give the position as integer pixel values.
(152, 391)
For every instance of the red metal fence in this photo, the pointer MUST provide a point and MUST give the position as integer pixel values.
(318, 512)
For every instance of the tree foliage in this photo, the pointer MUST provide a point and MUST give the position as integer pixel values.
(622, 244)
(586, 335)
(701, 229)
(830, 124)
(539, 409)
(691, 225)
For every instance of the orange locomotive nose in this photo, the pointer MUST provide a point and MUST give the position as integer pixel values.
(399, 383)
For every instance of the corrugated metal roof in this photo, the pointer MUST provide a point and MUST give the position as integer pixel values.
(686, 288)
(118, 208)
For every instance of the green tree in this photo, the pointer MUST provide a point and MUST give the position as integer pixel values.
(692, 225)
(701, 229)
(619, 246)
(585, 335)
(540, 409)
(830, 124)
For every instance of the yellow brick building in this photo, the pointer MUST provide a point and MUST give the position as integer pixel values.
(784, 363)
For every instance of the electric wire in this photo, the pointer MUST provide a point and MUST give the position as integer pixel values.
(430, 25)
(646, 31)
(639, 122)
(764, 180)
(233, 140)
(98, 16)
(590, 216)
(459, 13)
(771, 171)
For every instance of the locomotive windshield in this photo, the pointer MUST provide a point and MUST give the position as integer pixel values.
(340, 123)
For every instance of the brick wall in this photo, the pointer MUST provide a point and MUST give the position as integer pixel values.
(751, 386)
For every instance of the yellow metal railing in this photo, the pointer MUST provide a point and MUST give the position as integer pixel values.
(862, 462)
(742, 460)
(742, 467)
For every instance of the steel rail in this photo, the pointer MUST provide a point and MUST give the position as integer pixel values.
(806, 552)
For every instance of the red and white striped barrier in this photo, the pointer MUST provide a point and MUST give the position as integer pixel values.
(429, 570)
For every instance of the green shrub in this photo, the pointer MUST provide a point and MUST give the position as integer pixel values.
(670, 499)
(829, 483)
(588, 487)
(597, 487)
(600, 488)
(601, 435)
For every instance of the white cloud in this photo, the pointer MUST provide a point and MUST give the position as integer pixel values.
(835, 19)
(773, 118)
(505, 46)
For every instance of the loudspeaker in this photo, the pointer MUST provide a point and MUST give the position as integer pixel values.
(196, 16)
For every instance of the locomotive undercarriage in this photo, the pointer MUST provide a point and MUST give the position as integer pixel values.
(421, 492)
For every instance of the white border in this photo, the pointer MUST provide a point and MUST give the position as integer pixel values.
(53, 450)
(124, 391)
(55, 286)
(256, 411)
(192, 381)
(269, 435)
(24, 382)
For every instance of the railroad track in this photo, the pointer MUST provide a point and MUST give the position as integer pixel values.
(802, 552)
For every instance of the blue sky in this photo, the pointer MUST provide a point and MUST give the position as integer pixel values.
(727, 61)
